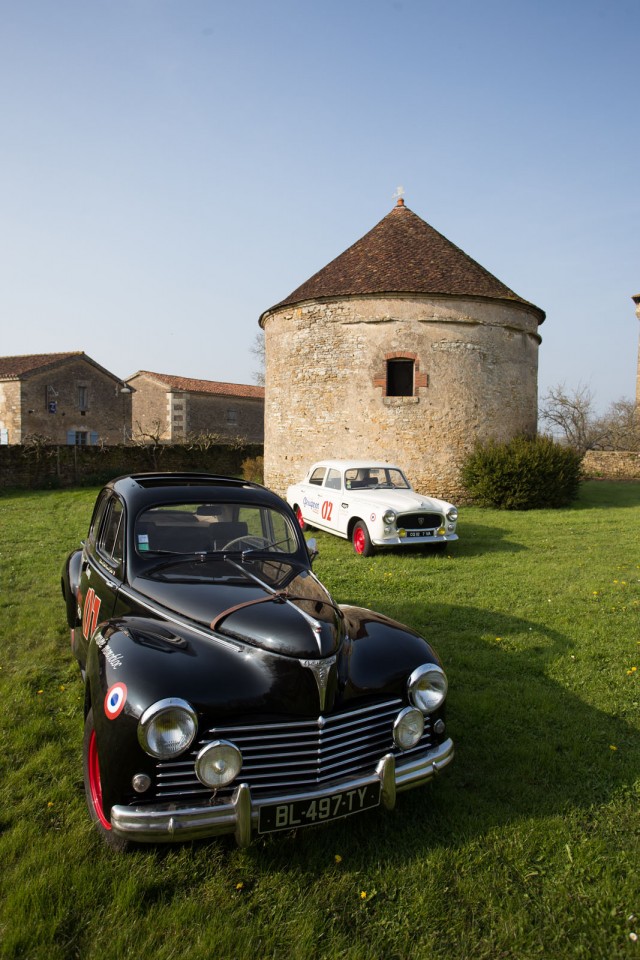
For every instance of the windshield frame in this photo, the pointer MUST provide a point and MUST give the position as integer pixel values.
(284, 540)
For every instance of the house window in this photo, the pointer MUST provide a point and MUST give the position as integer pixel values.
(83, 398)
(80, 438)
(400, 377)
(51, 399)
(232, 415)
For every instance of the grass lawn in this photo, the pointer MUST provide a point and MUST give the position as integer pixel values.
(527, 846)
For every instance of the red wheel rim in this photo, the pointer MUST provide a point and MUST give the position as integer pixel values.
(95, 787)
(299, 516)
(359, 541)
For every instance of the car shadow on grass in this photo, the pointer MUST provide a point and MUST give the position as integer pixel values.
(478, 539)
(527, 746)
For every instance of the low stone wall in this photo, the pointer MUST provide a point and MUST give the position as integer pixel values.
(46, 467)
(611, 465)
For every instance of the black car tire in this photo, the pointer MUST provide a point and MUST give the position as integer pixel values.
(361, 540)
(93, 788)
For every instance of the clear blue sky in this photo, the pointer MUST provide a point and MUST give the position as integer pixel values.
(171, 168)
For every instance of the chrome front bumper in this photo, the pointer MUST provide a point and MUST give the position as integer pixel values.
(408, 541)
(166, 822)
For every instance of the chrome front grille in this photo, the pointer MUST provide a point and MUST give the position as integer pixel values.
(420, 521)
(285, 755)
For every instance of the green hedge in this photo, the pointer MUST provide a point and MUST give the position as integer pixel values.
(523, 474)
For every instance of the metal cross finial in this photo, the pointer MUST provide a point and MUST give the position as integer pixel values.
(399, 194)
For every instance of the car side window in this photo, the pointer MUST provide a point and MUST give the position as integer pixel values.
(98, 515)
(111, 538)
(333, 480)
(317, 476)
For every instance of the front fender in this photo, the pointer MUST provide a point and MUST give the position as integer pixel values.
(134, 662)
(384, 652)
(69, 583)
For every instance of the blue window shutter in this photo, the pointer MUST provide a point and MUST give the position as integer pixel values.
(94, 438)
(71, 438)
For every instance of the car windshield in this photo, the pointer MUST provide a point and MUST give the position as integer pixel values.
(373, 478)
(185, 529)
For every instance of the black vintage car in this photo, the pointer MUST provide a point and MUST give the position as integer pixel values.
(225, 690)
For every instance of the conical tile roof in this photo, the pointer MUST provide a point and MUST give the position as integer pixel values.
(403, 254)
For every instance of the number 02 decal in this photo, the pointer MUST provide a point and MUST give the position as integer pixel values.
(90, 613)
(327, 507)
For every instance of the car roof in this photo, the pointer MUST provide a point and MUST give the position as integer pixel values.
(143, 489)
(355, 464)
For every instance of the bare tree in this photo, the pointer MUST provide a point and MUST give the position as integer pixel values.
(571, 417)
(620, 426)
(148, 435)
(259, 352)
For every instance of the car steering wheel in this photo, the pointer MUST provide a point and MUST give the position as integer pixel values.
(246, 543)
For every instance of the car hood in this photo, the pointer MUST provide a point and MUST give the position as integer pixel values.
(399, 500)
(279, 607)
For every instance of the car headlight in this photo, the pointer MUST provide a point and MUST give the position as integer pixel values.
(167, 728)
(389, 516)
(452, 515)
(218, 764)
(427, 687)
(408, 728)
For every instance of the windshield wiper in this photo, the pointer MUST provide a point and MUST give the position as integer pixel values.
(197, 556)
(266, 546)
(260, 548)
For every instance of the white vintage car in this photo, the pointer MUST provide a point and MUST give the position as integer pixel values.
(372, 504)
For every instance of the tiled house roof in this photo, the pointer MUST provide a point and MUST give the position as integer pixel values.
(190, 385)
(15, 368)
(403, 254)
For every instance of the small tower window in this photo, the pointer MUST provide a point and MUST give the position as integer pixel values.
(400, 378)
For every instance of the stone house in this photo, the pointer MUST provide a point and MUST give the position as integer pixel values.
(177, 408)
(403, 348)
(66, 398)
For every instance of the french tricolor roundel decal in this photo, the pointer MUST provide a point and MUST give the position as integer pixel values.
(115, 700)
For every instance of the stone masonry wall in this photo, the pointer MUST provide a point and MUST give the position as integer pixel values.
(476, 378)
(226, 416)
(176, 416)
(50, 467)
(49, 404)
(611, 465)
(149, 410)
(11, 410)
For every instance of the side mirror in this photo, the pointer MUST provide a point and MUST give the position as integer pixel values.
(312, 549)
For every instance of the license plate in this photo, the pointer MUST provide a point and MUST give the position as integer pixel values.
(420, 533)
(304, 813)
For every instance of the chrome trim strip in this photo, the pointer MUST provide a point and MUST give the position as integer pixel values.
(400, 541)
(166, 822)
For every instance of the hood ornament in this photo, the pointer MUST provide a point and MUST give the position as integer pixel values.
(321, 670)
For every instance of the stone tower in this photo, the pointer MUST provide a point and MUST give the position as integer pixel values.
(636, 300)
(403, 349)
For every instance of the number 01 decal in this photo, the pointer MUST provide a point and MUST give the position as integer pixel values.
(327, 507)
